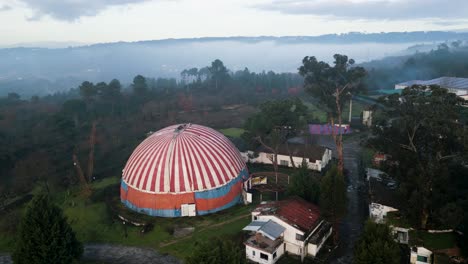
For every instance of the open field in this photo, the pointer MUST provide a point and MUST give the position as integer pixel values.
(94, 222)
(232, 132)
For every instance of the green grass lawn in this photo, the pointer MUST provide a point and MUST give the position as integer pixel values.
(93, 221)
(316, 112)
(232, 132)
(433, 241)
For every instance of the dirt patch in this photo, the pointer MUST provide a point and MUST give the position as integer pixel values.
(126, 255)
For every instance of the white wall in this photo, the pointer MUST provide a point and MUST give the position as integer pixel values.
(378, 212)
(421, 252)
(266, 158)
(249, 253)
(293, 246)
(313, 249)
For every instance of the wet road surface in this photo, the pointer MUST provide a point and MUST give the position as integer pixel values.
(352, 224)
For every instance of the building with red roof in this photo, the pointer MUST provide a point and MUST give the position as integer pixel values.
(294, 226)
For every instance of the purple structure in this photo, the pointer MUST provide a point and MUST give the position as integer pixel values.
(327, 129)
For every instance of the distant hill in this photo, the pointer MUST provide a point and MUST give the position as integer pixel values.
(40, 71)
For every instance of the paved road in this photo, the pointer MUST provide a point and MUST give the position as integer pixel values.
(118, 255)
(351, 226)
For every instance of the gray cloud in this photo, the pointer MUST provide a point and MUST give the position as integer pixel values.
(71, 10)
(372, 9)
(5, 8)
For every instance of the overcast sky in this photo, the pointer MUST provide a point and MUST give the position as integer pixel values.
(93, 21)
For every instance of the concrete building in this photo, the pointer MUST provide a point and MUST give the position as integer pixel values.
(292, 226)
(316, 157)
(421, 255)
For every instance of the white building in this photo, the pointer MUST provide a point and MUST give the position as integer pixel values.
(367, 118)
(316, 157)
(421, 255)
(382, 200)
(292, 226)
(458, 86)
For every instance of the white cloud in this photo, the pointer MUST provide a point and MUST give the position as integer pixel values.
(372, 9)
(71, 10)
(5, 8)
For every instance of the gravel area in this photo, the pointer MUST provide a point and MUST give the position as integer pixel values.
(118, 255)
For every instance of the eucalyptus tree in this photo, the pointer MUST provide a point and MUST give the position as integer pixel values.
(333, 85)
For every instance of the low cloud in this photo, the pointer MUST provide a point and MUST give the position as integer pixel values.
(5, 8)
(372, 9)
(71, 10)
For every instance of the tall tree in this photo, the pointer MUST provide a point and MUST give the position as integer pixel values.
(111, 93)
(304, 185)
(88, 90)
(140, 87)
(333, 198)
(376, 245)
(423, 132)
(333, 86)
(45, 236)
(219, 73)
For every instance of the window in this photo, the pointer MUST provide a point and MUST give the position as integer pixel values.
(284, 163)
(422, 259)
(253, 253)
(274, 255)
(264, 256)
(255, 217)
(299, 237)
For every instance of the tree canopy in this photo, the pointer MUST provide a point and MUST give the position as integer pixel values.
(217, 251)
(376, 245)
(45, 236)
(421, 130)
(333, 198)
(304, 185)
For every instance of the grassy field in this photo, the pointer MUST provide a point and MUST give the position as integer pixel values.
(433, 241)
(318, 113)
(93, 221)
(232, 132)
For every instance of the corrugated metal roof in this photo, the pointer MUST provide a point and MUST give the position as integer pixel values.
(254, 226)
(272, 230)
(295, 211)
(445, 82)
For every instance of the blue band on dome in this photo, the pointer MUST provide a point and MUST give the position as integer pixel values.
(221, 191)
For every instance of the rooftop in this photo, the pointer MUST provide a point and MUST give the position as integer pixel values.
(264, 243)
(312, 152)
(268, 228)
(445, 82)
(295, 211)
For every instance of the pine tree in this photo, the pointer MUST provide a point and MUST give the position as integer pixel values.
(376, 245)
(45, 236)
(333, 198)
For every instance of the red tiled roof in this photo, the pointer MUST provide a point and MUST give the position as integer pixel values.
(295, 211)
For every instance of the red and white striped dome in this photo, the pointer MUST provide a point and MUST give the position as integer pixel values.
(183, 158)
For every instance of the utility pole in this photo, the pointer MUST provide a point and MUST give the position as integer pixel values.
(350, 109)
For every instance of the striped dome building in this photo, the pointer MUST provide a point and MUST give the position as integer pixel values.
(183, 170)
